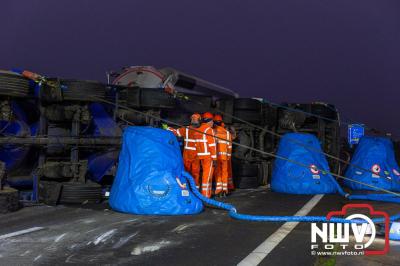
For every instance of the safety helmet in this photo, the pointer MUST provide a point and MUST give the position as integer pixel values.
(207, 117)
(195, 116)
(217, 118)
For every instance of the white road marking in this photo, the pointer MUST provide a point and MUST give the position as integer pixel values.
(21, 232)
(257, 255)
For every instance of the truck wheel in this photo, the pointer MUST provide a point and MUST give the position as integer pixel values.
(13, 84)
(78, 193)
(9, 200)
(77, 90)
(247, 104)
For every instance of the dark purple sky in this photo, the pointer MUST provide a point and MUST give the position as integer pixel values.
(339, 51)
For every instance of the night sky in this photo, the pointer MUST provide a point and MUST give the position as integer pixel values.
(346, 52)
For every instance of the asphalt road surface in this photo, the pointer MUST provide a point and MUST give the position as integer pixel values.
(94, 234)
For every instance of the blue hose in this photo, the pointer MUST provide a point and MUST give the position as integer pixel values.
(311, 219)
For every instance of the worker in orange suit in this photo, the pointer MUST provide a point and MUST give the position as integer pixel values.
(224, 152)
(190, 159)
(206, 152)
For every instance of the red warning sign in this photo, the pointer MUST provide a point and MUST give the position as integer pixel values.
(376, 169)
(314, 170)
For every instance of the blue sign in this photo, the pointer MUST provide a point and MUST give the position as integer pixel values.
(394, 233)
(355, 132)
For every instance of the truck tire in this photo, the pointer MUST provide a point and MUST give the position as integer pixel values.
(250, 116)
(9, 200)
(13, 85)
(77, 90)
(247, 104)
(78, 193)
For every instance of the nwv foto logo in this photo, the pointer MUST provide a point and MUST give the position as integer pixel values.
(360, 226)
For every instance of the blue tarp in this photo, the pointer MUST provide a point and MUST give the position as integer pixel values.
(149, 178)
(376, 156)
(288, 177)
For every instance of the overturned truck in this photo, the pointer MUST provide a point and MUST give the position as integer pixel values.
(62, 137)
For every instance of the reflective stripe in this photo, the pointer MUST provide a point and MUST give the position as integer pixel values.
(178, 133)
(212, 145)
(213, 156)
(187, 140)
(222, 142)
(203, 153)
(222, 153)
(209, 180)
(201, 140)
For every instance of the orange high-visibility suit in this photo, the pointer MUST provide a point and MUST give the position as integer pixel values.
(190, 159)
(224, 152)
(173, 130)
(206, 153)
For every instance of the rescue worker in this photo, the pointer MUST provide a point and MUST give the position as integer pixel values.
(190, 159)
(224, 151)
(206, 152)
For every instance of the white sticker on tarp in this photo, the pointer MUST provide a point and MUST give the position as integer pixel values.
(159, 192)
(358, 173)
(316, 177)
(376, 176)
(185, 193)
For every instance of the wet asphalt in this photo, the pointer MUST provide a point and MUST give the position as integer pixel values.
(94, 234)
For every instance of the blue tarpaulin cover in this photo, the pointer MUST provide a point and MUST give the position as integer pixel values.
(288, 177)
(376, 156)
(149, 178)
